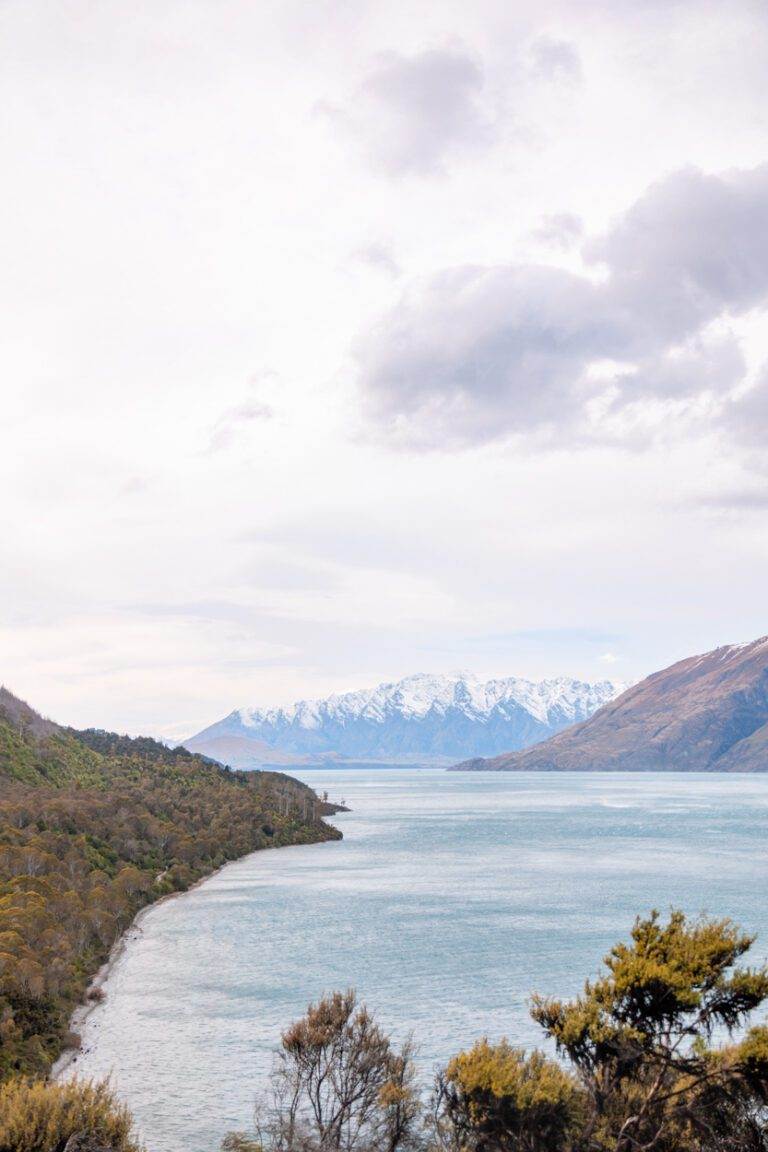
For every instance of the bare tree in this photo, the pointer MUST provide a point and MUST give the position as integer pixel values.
(338, 1085)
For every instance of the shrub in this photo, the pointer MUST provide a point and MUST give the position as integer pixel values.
(76, 1116)
(497, 1096)
(644, 1066)
(640, 1039)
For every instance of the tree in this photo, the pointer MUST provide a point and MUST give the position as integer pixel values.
(496, 1097)
(338, 1085)
(641, 1041)
(89, 837)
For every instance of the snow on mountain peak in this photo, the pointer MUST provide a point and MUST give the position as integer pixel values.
(423, 718)
(418, 695)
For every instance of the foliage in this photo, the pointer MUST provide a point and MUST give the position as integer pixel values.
(496, 1096)
(93, 827)
(642, 1070)
(641, 1040)
(58, 760)
(72, 1117)
(339, 1084)
(643, 1066)
(239, 1142)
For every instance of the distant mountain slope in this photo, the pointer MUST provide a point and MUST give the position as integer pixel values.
(16, 712)
(242, 752)
(421, 718)
(707, 713)
(37, 751)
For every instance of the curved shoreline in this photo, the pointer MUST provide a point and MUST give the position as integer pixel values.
(68, 1056)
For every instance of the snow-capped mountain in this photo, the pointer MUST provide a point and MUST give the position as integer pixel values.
(421, 719)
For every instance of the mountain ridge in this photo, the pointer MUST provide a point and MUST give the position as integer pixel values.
(707, 712)
(422, 717)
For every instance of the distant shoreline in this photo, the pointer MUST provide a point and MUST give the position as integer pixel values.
(617, 771)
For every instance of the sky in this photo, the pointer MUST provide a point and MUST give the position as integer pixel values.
(340, 341)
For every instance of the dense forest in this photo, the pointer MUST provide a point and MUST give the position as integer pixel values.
(93, 826)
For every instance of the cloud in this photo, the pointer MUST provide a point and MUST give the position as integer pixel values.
(379, 256)
(693, 246)
(412, 112)
(736, 499)
(548, 637)
(476, 353)
(746, 416)
(231, 423)
(554, 59)
(706, 364)
(135, 486)
(561, 229)
(483, 351)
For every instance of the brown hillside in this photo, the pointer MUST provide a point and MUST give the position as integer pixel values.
(704, 714)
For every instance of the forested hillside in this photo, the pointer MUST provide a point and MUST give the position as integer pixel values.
(92, 827)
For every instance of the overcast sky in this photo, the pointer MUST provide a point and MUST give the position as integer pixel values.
(342, 340)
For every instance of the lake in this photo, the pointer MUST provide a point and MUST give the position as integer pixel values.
(451, 898)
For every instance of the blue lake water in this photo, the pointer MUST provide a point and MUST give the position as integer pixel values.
(450, 899)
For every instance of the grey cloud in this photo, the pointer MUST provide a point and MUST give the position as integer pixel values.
(692, 247)
(444, 367)
(555, 59)
(412, 111)
(478, 354)
(703, 366)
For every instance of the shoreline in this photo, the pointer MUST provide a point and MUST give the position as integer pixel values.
(83, 1010)
(80, 1014)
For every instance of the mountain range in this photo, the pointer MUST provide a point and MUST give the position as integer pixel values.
(422, 718)
(706, 713)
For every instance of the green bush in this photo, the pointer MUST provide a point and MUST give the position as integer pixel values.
(496, 1095)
